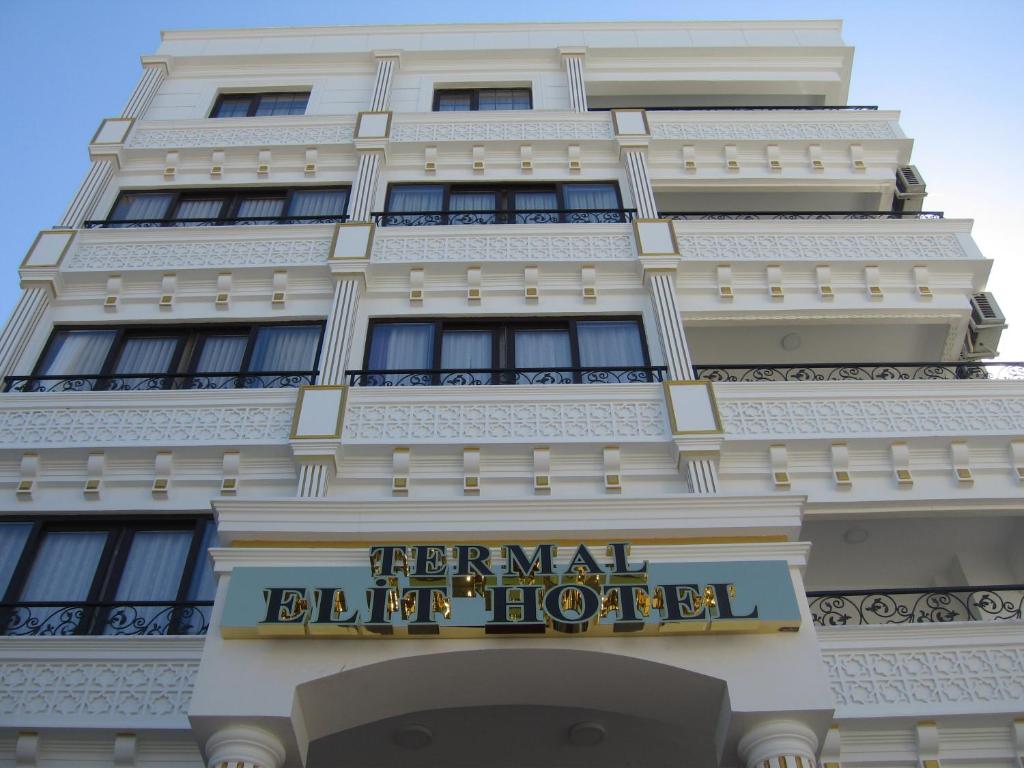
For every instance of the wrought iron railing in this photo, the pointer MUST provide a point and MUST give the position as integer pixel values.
(745, 108)
(159, 381)
(861, 371)
(918, 605)
(547, 216)
(487, 376)
(207, 222)
(142, 617)
(796, 215)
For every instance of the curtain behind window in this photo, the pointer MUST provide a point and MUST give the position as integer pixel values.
(203, 585)
(606, 344)
(285, 348)
(466, 350)
(62, 571)
(152, 571)
(12, 541)
(144, 205)
(146, 355)
(77, 353)
(219, 354)
(472, 201)
(318, 202)
(203, 208)
(545, 349)
(401, 346)
(536, 201)
(261, 207)
(590, 197)
(415, 199)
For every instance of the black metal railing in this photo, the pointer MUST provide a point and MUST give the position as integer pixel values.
(749, 108)
(120, 382)
(113, 618)
(796, 215)
(861, 371)
(488, 376)
(917, 605)
(561, 216)
(216, 222)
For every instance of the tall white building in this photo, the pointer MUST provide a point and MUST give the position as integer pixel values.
(508, 395)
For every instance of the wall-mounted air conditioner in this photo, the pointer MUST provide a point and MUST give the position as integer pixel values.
(910, 190)
(987, 324)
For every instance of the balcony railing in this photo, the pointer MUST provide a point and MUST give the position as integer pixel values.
(219, 222)
(114, 618)
(548, 216)
(796, 215)
(751, 108)
(861, 372)
(487, 376)
(159, 381)
(918, 605)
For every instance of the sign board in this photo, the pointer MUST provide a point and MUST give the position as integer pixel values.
(470, 590)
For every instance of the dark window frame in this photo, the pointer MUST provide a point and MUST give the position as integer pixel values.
(474, 97)
(503, 334)
(191, 338)
(106, 579)
(232, 199)
(505, 193)
(255, 97)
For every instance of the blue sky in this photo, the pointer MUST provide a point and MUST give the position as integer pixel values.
(951, 67)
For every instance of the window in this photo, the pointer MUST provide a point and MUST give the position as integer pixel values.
(260, 104)
(207, 357)
(211, 207)
(69, 577)
(426, 204)
(482, 99)
(552, 351)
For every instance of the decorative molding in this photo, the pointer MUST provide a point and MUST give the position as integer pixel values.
(476, 246)
(453, 129)
(874, 412)
(188, 253)
(150, 136)
(78, 419)
(793, 246)
(868, 683)
(575, 415)
(808, 129)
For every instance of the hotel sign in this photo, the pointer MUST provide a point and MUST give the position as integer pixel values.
(469, 590)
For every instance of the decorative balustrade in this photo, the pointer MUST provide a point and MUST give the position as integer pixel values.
(862, 372)
(59, 619)
(547, 216)
(159, 381)
(486, 376)
(796, 215)
(918, 605)
(212, 222)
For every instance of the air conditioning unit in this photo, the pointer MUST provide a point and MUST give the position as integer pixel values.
(987, 324)
(910, 190)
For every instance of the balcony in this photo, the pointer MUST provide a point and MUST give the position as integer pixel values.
(143, 382)
(211, 222)
(778, 124)
(921, 605)
(139, 618)
(797, 215)
(548, 216)
(862, 372)
(506, 376)
(261, 132)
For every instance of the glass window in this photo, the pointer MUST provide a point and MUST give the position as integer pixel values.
(147, 355)
(152, 572)
(549, 350)
(504, 98)
(454, 101)
(232, 106)
(401, 346)
(198, 210)
(533, 201)
(282, 104)
(219, 353)
(12, 541)
(76, 353)
(203, 585)
(465, 350)
(318, 202)
(142, 206)
(469, 200)
(260, 208)
(284, 348)
(605, 344)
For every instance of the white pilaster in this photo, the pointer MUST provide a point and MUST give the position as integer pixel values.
(338, 335)
(27, 315)
(365, 186)
(779, 744)
(635, 160)
(573, 60)
(244, 746)
(387, 65)
(313, 477)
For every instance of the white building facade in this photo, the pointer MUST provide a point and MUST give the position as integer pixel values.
(517, 395)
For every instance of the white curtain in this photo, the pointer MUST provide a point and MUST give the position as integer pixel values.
(467, 350)
(285, 348)
(204, 584)
(548, 349)
(402, 346)
(415, 199)
(77, 353)
(221, 354)
(260, 207)
(605, 343)
(199, 209)
(12, 541)
(146, 355)
(147, 205)
(473, 201)
(64, 566)
(152, 571)
(536, 201)
(318, 202)
(590, 196)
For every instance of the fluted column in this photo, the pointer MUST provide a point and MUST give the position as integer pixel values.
(779, 744)
(25, 318)
(313, 480)
(573, 60)
(338, 335)
(387, 65)
(662, 284)
(365, 186)
(101, 171)
(244, 746)
(635, 160)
